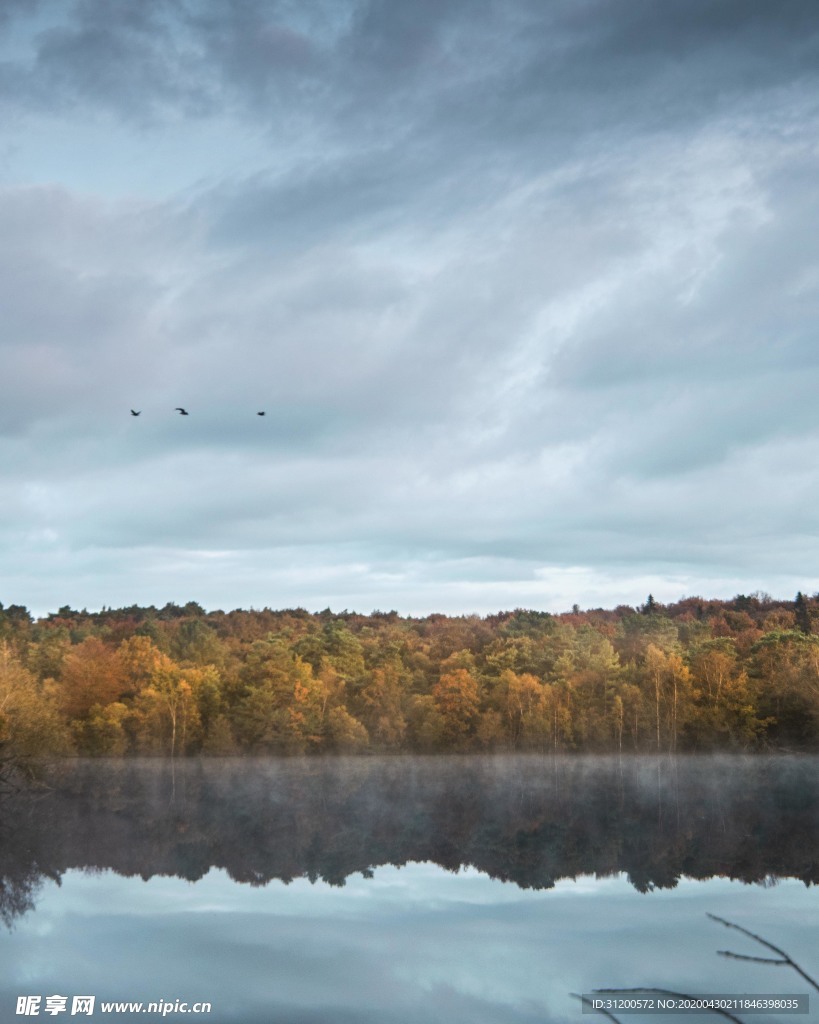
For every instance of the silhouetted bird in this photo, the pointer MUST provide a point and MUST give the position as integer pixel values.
(260, 414)
(135, 413)
(181, 411)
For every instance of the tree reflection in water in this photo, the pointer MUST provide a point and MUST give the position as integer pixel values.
(526, 819)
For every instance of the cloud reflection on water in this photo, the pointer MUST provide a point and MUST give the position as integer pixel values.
(411, 944)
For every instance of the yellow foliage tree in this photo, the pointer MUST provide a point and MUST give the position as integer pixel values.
(456, 697)
(168, 709)
(523, 707)
(30, 722)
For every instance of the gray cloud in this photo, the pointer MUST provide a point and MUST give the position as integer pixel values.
(379, 66)
(527, 293)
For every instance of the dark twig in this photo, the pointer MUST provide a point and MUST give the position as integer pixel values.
(753, 959)
(675, 995)
(782, 957)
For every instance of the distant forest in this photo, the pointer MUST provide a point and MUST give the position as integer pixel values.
(695, 675)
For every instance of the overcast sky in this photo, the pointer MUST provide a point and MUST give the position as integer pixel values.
(528, 291)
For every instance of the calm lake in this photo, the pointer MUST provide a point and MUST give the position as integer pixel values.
(405, 889)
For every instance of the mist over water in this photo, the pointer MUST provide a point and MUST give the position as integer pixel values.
(489, 885)
(526, 819)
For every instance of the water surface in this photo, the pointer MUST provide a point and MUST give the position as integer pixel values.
(406, 889)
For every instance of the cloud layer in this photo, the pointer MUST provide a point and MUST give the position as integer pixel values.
(528, 295)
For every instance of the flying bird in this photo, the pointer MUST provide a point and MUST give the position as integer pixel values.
(135, 413)
(260, 413)
(181, 411)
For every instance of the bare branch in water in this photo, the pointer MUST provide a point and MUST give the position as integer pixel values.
(753, 959)
(782, 956)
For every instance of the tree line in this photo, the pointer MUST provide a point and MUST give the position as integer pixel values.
(694, 675)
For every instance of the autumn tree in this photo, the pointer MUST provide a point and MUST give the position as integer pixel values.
(92, 673)
(784, 664)
(104, 731)
(310, 707)
(561, 701)
(382, 700)
(141, 659)
(457, 701)
(596, 672)
(635, 633)
(197, 643)
(425, 723)
(283, 705)
(631, 715)
(669, 681)
(44, 656)
(345, 733)
(30, 722)
(168, 709)
(724, 702)
(521, 701)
